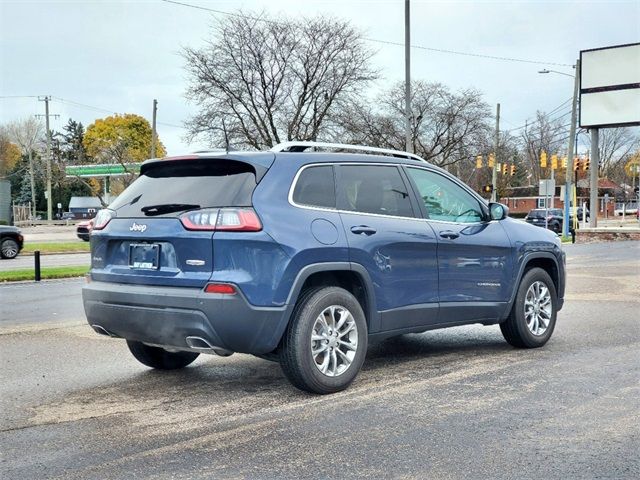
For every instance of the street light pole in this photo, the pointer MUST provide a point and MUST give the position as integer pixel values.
(407, 75)
(572, 135)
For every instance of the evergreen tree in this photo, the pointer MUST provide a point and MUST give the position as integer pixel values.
(24, 194)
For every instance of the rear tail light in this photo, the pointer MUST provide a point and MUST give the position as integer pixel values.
(103, 217)
(223, 219)
(223, 288)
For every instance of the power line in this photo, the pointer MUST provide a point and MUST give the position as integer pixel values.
(547, 114)
(105, 110)
(19, 96)
(375, 40)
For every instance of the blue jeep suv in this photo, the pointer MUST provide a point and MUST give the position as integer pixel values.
(304, 257)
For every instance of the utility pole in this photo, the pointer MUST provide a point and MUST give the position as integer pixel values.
(407, 76)
(494, 173)
(593, 172)
(572, 134)
(46, 115)
(153, 129)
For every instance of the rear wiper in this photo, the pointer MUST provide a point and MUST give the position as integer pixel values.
(159, 209)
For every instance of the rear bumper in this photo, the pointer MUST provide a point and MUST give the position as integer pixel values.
(168, 315)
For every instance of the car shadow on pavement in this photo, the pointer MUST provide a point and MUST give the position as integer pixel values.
(243, 384)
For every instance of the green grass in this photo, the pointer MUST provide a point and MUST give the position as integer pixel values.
(46, 273)
(56, 247)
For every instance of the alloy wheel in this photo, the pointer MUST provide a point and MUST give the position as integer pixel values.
(334, 340)
(538, 308)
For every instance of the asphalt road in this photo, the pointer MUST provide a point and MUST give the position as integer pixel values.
(35, 304)
(449, 404)
(57, 260)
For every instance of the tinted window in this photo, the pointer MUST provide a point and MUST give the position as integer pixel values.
(537, 214)
(316, 187)
(444, 199)
(374, 189)
(199, 184)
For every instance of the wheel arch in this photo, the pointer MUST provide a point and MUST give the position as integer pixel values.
(352, 277)
(544, 260)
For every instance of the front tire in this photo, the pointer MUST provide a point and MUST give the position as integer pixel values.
(159, 358)
(325, 344)
(533, 315)
(9, 248)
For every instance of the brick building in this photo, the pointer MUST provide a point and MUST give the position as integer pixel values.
(521, 200)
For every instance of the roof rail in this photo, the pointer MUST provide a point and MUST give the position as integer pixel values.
(301, 146)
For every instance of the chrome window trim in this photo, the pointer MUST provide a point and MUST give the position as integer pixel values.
(336, 210)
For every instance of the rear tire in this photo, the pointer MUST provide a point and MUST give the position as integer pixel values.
(9, 248)
(325, 343)
(533, 315)
(159, 358)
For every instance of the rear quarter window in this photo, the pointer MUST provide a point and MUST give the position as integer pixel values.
(316, 187)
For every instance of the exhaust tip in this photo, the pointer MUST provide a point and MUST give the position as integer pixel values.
(102, 331)
(199, 343)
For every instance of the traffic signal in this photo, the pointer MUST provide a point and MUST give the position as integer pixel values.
(554, 162)
(543, 159)
(565, 162)
(479, 161)
(492, 160)
(513, 170)
(504, 168)
(487, 188)
(587, 164)
(576, 164)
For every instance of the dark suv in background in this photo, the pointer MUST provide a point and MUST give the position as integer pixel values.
(305, 257)
(550, 218)
(11, 241)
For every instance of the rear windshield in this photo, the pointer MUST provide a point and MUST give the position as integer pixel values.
(162, 190)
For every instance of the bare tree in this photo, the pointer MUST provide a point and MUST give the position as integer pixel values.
(448, 127)
(28, 135)
(543, 134)
(273, 81)
(615, 145)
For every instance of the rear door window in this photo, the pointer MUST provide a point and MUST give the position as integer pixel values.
(375, 189)
(191, 183)
(316, 187)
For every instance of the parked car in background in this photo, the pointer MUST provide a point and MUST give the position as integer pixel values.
(580, 214)
(552, 218)
(11, 241)
(304, 257)
(83, 230)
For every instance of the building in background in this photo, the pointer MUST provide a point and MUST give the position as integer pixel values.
(5, 202)
(84, 207)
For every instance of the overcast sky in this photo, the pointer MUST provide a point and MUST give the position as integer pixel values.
(120, 55)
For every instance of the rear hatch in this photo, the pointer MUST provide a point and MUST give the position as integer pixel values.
(159, 231)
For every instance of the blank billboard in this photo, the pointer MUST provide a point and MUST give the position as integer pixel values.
(610, 86)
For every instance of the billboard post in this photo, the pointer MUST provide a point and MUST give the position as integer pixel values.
(609, 98)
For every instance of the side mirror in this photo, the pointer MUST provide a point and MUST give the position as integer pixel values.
(498, 211)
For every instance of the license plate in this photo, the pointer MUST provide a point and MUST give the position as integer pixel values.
(144, 256)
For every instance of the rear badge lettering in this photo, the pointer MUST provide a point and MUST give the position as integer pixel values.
(137, 227)
(195, 262)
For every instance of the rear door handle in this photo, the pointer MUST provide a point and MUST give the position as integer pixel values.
(363, 230)
(451, 235)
